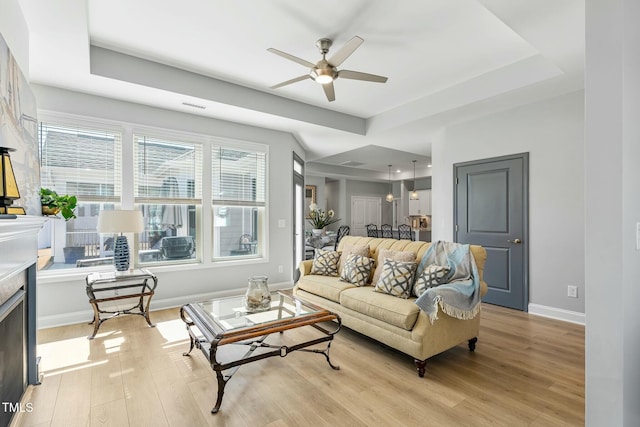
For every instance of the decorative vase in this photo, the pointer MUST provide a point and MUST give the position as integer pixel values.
(257, 297)
(121, 254)
(317, 231)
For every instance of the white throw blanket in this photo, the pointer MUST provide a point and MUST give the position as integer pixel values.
(459, 296)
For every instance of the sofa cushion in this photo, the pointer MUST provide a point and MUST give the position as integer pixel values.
(401, 313)
(396, 278)
(325, 263)
(357, 270)
(432, 275)
(351, 250)
(392, 255)
(324, 286)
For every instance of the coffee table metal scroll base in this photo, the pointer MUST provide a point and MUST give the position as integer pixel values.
(192, 315)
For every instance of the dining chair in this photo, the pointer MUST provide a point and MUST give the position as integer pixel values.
(343, 230)
(404, 232)
(386, 231)
(372, 230)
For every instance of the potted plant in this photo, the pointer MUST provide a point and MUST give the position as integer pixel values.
(319, 219)
(52, 204)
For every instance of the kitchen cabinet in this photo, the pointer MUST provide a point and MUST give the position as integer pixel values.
(422, 206)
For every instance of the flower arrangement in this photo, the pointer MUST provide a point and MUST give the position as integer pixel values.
(320, 219)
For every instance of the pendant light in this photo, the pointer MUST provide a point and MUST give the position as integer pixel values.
(414, 193)
(390, 195)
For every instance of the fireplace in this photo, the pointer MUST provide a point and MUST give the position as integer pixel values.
(13, 364)
(18, 362)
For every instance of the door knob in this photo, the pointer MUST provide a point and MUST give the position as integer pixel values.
(516, 241)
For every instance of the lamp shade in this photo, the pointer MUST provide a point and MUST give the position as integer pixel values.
(120, 221)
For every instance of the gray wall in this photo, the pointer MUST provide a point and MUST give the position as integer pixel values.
(552, 131)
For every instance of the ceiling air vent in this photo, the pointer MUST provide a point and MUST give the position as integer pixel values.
(188, 104)
(351, 163)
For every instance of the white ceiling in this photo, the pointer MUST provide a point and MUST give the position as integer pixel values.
(447, 60)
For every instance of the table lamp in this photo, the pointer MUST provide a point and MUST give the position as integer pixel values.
(120, 221)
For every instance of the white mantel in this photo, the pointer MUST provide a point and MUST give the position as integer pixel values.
(18, 250)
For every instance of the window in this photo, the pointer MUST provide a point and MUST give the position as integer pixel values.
(238, 195)
(86, 163)
(168, 190)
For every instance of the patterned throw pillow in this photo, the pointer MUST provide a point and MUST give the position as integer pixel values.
(396, 278)
(357, 270)
(404, 256)
(432, 275)
(325, 263)
(347, 250)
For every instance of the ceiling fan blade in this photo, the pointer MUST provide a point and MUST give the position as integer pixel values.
(291, 57)
(357, 75)
(329, 91)
(345, 51)
(288, 82)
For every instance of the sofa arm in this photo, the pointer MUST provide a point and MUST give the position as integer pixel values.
(305, 267)
(483, 288)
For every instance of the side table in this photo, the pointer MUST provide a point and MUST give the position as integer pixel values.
(139, 284)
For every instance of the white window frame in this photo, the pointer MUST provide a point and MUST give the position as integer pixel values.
(263, 221)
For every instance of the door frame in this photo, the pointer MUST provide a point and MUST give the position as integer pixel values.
(298, 217)
(525, 210)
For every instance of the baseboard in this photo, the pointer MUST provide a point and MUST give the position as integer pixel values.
(557, 313)
(85, 316)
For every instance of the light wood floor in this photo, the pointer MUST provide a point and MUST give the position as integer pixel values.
(526, 371)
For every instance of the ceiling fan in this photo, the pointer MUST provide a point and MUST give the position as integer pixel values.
(326, 70)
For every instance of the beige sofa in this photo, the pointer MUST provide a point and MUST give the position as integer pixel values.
(396, 322)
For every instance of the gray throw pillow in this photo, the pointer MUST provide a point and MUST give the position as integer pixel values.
(396, 278)
(325, 263)
(357, 270)
(432, 275)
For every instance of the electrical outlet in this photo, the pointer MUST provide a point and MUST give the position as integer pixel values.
(280, 269)
(572, 291)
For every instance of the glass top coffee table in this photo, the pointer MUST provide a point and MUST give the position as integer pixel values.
(214, 323)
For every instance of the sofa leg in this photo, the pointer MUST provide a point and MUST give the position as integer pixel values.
(420, 365)
(472, 343)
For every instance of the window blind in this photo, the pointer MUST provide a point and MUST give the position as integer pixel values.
(167, 171)
(238, 176)
(80, 161)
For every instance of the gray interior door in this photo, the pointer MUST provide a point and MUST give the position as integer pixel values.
(491, 198)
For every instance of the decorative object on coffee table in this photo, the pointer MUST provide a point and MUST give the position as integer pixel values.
(121, 221)
(257, 298)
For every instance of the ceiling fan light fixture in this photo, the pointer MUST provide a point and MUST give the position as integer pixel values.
(323, 75)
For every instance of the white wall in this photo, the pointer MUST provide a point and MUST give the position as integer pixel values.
(63, 300)
(14, 29)
(612, 148)
(552, 132)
